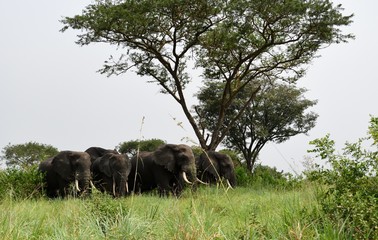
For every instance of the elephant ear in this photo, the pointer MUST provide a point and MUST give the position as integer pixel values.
(210, 164)
(62, 164)
(165, 156)
(104, 164)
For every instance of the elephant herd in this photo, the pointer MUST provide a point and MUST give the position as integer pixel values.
(169, 169)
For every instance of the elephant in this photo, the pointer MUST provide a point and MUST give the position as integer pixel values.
(168, 169)
(96, 152)
(64, 169)
(214, 166)
(110, 173)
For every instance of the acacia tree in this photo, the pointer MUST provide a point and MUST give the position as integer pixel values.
(277, 113)
(232, 41)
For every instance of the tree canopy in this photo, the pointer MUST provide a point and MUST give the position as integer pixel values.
(25, 155)
(234, 42)
(132, 147)
(277, 113)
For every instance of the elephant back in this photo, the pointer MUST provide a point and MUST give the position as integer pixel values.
(96, 152)
(111, 162)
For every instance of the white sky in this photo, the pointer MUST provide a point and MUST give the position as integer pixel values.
(51, 93)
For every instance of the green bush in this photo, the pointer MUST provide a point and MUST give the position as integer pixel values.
(243, 176)
(263, 177)
(21, 184)
(351, 193)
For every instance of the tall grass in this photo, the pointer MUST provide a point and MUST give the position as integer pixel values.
(208, 213)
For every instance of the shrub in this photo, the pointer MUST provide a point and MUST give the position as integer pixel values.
(243, 176)
(264, 176)
(351, 179)
(21, 184)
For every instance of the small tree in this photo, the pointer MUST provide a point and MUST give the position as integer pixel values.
(277, 113)
(131, 148)
(23, 156)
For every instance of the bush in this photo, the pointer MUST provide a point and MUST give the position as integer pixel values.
(243, 176)
(351, 193)
(21, 184)
(264, 176)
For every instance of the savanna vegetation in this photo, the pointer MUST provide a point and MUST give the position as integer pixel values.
(336, 200)
(250, 57)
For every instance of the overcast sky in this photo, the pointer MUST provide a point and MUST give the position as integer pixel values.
(51, 93)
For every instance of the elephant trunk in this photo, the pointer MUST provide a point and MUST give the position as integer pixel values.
(123, 189)
(120, 186)
(231, 180)
(82, 182)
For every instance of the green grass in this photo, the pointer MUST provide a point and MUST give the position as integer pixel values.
(208, 213)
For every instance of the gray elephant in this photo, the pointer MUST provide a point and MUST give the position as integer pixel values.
(213, 166)
(66, 169)
(96, 152)
(168, 169)
(110, 173)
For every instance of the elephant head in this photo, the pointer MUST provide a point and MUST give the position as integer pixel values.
(177, 159)
(96, 152)
(64, 169)
(111, 173)
(168, 169)
(214, 166)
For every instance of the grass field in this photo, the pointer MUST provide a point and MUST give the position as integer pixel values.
(208, 213)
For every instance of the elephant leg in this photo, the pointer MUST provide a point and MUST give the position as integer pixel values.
(164, 187)
(61, 188)
(162, 179)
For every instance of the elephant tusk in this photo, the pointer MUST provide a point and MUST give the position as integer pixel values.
(127, 187)
(92, 185)
(198, 180)
(185, 178)
(77, 185)
(229, 185)
(114, 187)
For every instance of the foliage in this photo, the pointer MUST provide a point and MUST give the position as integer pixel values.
(235, 43)
(373, 129)
(243, 176)
(131, 148)
(24, 156)
(21, 184)
(197, 150)
(265, 177)
(352, 192)
(275, 114)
